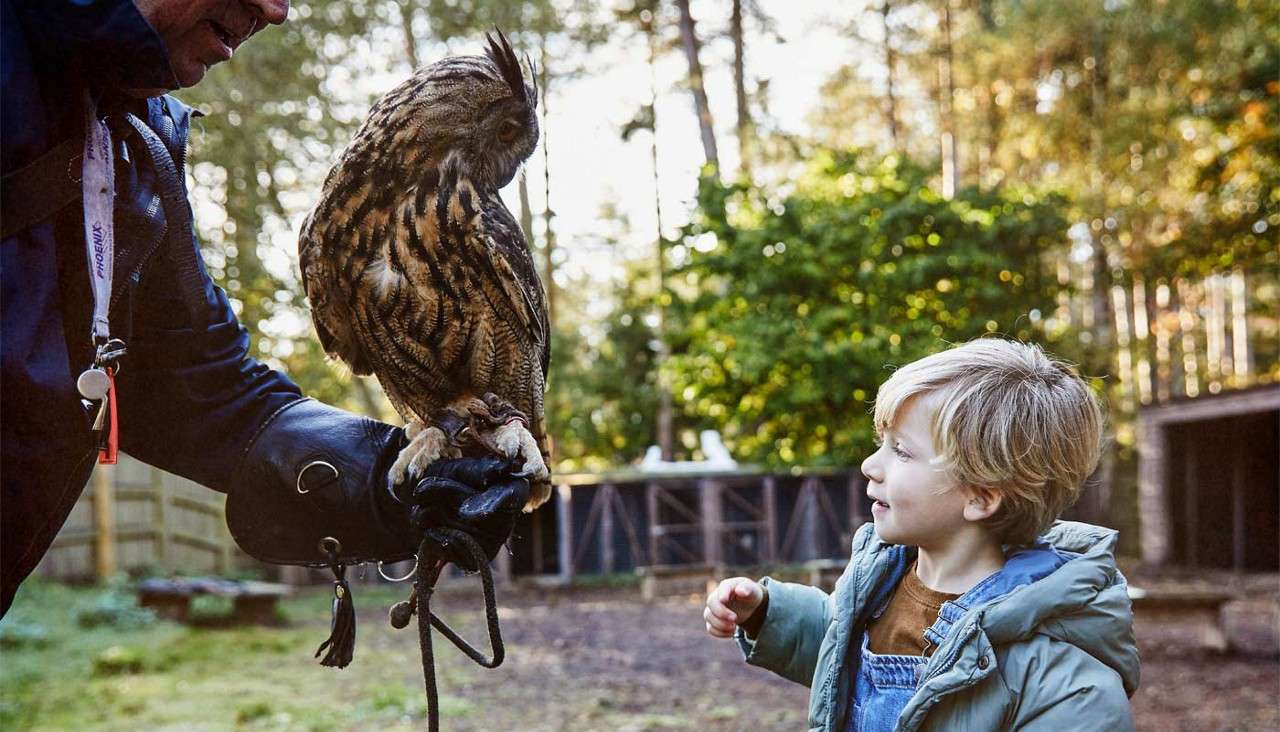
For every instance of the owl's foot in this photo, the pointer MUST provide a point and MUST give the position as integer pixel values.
(515, 441)
(426, 445)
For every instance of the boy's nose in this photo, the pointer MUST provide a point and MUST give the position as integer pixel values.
(871, 468)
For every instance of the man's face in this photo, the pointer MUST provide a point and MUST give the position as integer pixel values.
(201, 33)
(916, 502)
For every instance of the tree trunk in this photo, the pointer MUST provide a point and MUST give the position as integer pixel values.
(410, 44)
(544, 79)
(740, 89)
(890, 62)
(987, 156)
(689, 41)
(665, 419)
(1103, 335)
(946, 109)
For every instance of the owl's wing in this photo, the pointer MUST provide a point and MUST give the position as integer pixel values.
(329, 310)
(508, 276)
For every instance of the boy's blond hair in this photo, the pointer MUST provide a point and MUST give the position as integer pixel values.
(1007, 418)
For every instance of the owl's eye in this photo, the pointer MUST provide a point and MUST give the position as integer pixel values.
(509, 130)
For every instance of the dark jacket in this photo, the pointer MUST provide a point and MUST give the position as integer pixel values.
(191, 399)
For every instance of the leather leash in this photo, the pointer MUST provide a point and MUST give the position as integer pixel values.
(432, 559)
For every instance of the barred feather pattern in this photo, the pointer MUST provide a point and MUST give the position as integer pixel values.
(415, 270)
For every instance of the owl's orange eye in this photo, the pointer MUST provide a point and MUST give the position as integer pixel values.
(508, 131)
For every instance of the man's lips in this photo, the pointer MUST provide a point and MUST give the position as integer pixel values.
(229, 38)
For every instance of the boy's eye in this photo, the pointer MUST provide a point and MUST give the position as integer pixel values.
(897, 450)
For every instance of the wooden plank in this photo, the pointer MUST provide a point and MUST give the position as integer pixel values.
(564, 522)
(855, 487)
(606, 528)
(104, 520)
(633, 539)
(593, 520)
(1239, 524)
(712, 520)
(769, 492)
(1190, 499)
(535, 522)
(651, 505)
(159, 516)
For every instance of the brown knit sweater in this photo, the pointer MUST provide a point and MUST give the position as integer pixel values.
(912, 609)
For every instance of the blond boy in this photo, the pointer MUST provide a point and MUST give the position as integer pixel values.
(965, 605)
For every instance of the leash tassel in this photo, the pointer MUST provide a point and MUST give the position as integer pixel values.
(342, 636)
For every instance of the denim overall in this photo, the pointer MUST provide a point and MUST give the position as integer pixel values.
(885, 683)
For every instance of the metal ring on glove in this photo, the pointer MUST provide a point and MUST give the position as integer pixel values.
(310, 465)
(409, 574)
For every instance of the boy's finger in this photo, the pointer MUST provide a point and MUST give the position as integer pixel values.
(723, 613)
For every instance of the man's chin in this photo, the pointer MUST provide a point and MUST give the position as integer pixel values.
(189, 73)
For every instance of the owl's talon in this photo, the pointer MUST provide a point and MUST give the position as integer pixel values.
(426, 445)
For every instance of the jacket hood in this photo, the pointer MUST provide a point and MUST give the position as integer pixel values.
(1085, 602)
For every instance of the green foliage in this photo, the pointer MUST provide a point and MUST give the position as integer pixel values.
(796, 304)
(604, 387)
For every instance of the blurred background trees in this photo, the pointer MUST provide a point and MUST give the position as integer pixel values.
(1102, 176)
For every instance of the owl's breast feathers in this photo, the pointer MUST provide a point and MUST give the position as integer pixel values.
(428, 285)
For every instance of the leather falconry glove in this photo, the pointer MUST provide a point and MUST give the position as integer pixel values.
(478, 496)
(314, 472)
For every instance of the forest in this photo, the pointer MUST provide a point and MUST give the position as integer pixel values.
(747, 212)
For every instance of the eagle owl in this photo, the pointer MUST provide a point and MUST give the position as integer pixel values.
(417, 273)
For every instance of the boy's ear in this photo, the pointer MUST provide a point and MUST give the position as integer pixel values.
(983, 504)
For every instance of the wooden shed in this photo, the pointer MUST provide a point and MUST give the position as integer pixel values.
(1209, 480)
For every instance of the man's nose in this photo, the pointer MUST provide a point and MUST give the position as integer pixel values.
(274, 12)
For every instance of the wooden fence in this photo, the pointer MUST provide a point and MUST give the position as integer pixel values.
(608, 523)
(132, 516)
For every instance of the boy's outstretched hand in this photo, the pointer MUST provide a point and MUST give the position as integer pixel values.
(730, 604)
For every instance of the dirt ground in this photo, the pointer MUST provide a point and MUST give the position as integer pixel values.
(603, 660)
(581, 660)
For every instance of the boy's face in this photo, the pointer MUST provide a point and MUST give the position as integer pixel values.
(916, 502)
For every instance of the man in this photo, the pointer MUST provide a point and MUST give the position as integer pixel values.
(129, 343)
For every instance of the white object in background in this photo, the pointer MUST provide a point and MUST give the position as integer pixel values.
(717, 457)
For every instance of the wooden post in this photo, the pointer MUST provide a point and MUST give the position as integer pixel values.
(606, 529)
(104, 520)
(1190, 504)
(856, 489)
(769, 492)
(1154, 526)
(159, 505)
(1239, 524)
(502, 575)
(655, 531)
(564, 521)
(712, 520)
(536, 541)
(809, 528)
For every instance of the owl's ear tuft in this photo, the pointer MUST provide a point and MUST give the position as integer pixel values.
(500, 53)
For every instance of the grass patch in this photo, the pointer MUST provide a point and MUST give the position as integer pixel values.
(116, 673)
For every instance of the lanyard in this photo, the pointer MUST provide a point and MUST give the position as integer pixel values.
(98, 180)
(97, 383)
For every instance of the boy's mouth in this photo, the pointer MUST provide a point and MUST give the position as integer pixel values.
(878, 506)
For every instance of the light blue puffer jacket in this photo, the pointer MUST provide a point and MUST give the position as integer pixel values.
(1056, 654)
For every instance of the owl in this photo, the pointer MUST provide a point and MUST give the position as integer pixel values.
(416, 272)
